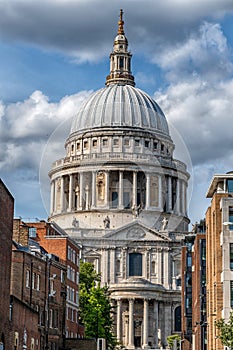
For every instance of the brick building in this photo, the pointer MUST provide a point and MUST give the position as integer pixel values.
(199, 324)
(6, 227)
(219, 235)
(186, 304)
(37, 294)
(194, 324)
(57, 242)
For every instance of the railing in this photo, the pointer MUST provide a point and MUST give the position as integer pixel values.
(120, 157)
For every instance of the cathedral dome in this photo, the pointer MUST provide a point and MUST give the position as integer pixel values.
(120, 106)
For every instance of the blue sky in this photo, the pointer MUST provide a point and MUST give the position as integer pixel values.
(54, 53)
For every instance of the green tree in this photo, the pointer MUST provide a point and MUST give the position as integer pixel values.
(96, 311)
(172, 338)
(225, 333)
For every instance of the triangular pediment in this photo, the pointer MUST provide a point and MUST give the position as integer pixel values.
(137, 231)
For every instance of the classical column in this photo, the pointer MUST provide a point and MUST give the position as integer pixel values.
(131, 325)
(156, 320)
(134, 191)
(52, 195)
(168, 321)
(147, 191)
(62, 194)
(112, 265)
(166, 268)
(124, 262)
(119, 305)
(160, 193)
(93, 190)
(145, 324)
(56, 196)
(104, 269)
(121, 189)
(87, 200)
(106, 189)
(178, 197)
(185, 198)
(80, 190)
(71, 193)
(169, 193)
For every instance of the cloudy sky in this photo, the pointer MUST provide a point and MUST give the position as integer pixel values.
(54, 53)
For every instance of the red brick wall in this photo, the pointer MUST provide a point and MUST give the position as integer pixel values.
(6, 228)
(24, 319)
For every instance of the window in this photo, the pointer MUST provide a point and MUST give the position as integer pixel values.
(68, 271)
(153, 267)
(37, 282)
(32, 232)
(78, 146)
(230, 186)
(178, 319)
(147, 143)
(69, 253)
(137, 142)
(72, 148)
(33, 280)
(27, 278)
(135, 264)
(126, 142)
(85, 144)
(162, 148)
(231, 292)
(231, 256)
(230, 217)
(155, 145)
(105, 142)
(115, 142)
(121, 62)
(94, 143)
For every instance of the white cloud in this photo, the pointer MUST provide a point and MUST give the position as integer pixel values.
(78, 28)
(26, 126)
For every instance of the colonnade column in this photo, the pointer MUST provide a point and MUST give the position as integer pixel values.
(56, 195)
(147, 191)
(62, 194)
(131, 325)
(80, 190)
(121, 189)
(169, 199)
(183, 196)
(134, 192)
(145, 324)
(106, 189)
(119, 305)
(71, 192)
(93, 190)
(156, 320)
(178, 197)
(52, 196)
(160, 193)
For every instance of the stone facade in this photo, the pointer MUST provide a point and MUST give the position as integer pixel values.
(120, 193)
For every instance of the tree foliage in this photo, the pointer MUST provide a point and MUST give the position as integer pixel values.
(96, 311)
(225, 329)
(172, 338)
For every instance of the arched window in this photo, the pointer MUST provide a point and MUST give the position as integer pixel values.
(135, 264)
(178, 319)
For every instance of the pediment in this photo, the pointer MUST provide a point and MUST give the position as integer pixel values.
(137, 231)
